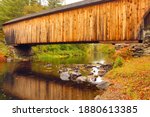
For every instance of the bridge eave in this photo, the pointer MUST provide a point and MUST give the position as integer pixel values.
(60, 9)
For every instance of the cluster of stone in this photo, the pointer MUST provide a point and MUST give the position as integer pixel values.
(95, 73)
(120, 46)
(146, 43)
(138, 49)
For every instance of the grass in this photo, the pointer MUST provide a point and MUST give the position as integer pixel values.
(46, 56)
(133, 78)
(47, 52)
(118, 62)
(107, 49)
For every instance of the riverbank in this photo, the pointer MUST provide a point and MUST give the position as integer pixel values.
(131, 81)
(48, 52)
(49, 56)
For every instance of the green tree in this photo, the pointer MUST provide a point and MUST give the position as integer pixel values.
(54, 3)
(10, 9)
(33, 8)
(33, 2)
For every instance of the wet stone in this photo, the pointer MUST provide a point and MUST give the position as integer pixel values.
(102, 72)
(74, 75)
(95, 80)
(65, 76)
(103, 85)
(60, 71)
(91, 74)
(81, 79)
(106, 67)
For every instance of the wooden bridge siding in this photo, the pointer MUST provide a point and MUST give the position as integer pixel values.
(118, 20)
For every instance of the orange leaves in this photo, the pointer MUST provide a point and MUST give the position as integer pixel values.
(2, 58)
(134, 77)
(124, 53)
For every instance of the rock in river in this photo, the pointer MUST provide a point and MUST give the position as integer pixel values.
(74, 75)
(95, 80)
(82, 79)
(95, 71)
(65, 76)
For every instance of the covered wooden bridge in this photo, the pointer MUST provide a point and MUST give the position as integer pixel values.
(87, 21)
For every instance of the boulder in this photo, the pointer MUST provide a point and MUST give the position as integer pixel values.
(137, 50)
(81, 79)
(147, 51)
(65, 76)
(106, 67)
(120, 46)
(94, 80)
(102, 72)
(74, 75)
(95, 71)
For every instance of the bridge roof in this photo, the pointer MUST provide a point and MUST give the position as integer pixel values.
(60, 9)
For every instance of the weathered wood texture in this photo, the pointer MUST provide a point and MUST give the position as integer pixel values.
(116, 20)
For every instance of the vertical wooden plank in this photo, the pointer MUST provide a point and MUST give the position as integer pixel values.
(111, 21)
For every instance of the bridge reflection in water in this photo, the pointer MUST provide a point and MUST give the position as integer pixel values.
(23, 83)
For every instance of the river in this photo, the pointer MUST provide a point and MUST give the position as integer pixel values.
(41, 80)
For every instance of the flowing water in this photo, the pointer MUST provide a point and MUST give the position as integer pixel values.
(40, 81)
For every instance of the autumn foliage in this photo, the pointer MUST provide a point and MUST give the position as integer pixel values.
(124, 53)
(2, 58)
(131, 81)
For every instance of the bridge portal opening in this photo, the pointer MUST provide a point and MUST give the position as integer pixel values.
(23, 51)
(147, 22)
(145, 30)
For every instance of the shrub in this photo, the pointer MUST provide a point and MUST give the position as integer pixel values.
(124, 53)
(2, 58)
(107, 49)
(118, 62)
